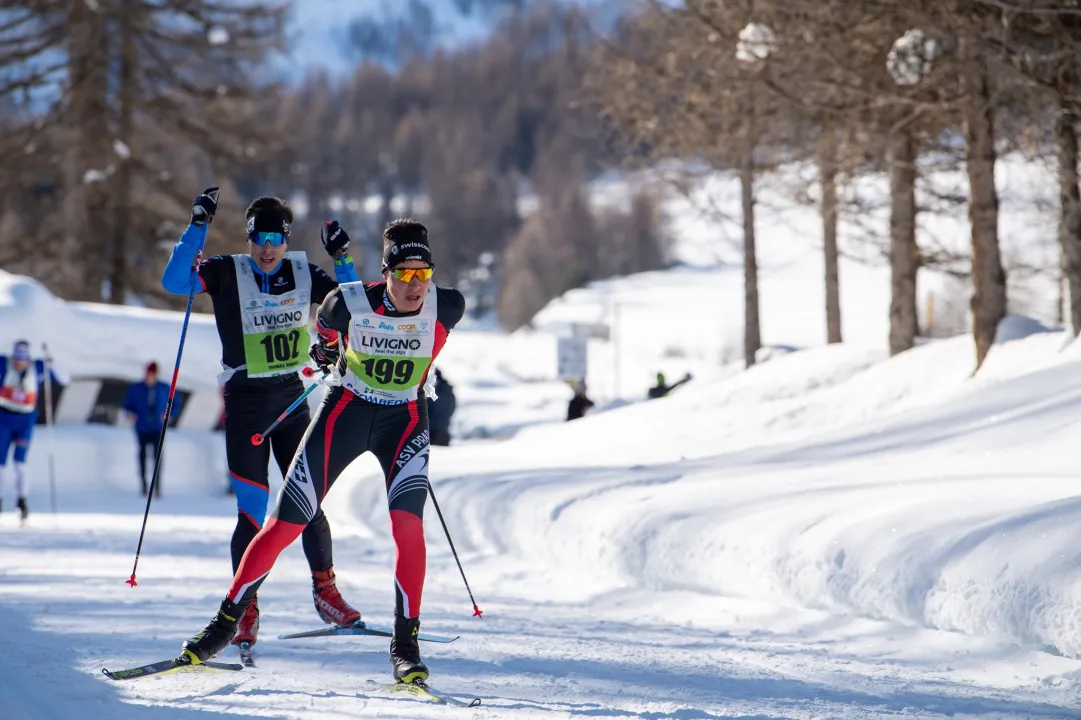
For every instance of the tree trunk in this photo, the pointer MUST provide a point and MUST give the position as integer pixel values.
(121, 185)
(86, 125)
(752, 337)
(988, 275)
(904, 253)
(827, 169)
(1069, 226)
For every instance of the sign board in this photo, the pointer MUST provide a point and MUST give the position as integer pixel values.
(573, 354)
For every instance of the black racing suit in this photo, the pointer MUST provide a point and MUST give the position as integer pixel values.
(252, 404)
(345, 427)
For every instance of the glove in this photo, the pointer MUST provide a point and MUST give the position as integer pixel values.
(335, 240)
(204, 207)
(328, 349)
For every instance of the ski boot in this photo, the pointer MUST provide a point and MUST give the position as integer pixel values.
(214, 637)
(405, 651)
(330, 605)
(248, 629)
(24, 511)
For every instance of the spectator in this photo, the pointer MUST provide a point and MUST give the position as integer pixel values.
(145, 403)
(660, 389)
(440, 410)
(579, 404)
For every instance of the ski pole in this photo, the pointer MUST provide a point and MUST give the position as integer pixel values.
(169, 403)
(49, 425)
(477, 612)
(258, 438)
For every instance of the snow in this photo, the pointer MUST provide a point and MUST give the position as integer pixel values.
(911, 57)
(756, 42)
(833, 533)
(121, 149)
(93, 176)
(216, 36)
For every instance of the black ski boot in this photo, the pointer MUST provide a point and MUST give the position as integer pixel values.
(24, 511)
(216, 636)
(405, 651)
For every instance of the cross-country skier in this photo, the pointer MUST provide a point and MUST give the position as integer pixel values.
(261, 306)
(20, 380)
(381, 338)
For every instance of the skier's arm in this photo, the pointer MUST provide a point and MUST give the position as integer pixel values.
(344, 270)
(55, 377)
(334, 313)
(322, 283)
(331, 325)
(336, 243)
(177, 277)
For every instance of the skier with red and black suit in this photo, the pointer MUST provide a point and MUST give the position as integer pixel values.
(381, 339)
(262, 301)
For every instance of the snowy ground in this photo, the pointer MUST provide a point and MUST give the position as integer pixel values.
(863, 563)
(830, 535)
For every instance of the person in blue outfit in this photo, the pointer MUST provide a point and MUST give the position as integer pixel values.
(262, 305)
(145, 403)
(20, 382)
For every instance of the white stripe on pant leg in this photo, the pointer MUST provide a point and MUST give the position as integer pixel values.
(21, 484)
(405, 598)
(244, 588)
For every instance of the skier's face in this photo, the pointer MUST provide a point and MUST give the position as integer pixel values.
(20, 365)
(268, 256)
(407, 290)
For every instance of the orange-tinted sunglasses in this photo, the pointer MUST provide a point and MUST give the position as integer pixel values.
(407, 274)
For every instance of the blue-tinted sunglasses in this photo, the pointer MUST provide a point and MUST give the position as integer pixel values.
(273, 239)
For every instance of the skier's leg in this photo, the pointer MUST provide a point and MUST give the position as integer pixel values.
(285, 442)
(338, 436)
(330, 444)
(5, 446)
(248, 465)
(401, 443)
(22, 436)
(318, 545)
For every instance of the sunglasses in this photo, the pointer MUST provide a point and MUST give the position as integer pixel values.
(407, 274)
(274, 239)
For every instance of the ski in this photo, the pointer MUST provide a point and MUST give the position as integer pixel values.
(420, 690)
(245, 655)
(362, 628)
(175, 665)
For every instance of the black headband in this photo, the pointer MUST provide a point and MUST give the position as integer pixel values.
(395, 254)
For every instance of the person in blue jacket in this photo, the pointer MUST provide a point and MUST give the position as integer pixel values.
(262, 302)
(145, 403)
(20, 381)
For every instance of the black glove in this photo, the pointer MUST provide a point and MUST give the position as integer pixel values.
(334, 238)
(327, 350)
(204, 207)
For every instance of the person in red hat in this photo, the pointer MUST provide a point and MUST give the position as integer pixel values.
(145, 404)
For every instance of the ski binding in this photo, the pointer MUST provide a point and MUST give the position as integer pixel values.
(420, 690)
